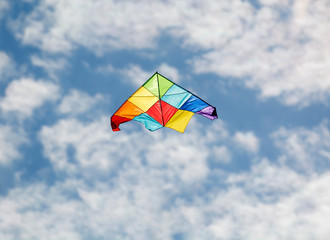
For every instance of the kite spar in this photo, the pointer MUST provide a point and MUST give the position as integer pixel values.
(161, 103)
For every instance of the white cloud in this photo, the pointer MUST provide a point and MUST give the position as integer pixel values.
(77, 102)
(87, 143)
(221, 154)
(256, 204)
(24, 95)
(298, 215)
(185, 157)
(170, 72)
(269, 181)
(98, 26)
(76, 148)
(211, 24)
(280, 49)
(6, 66)
(135, 75)
(10, 141)
(260, 204)
(133, 173)
(247, 140)
(107, 179)
(94, 28)
(38, 212)
(305, 149)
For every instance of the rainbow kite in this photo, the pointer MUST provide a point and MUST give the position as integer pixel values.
(161, 103)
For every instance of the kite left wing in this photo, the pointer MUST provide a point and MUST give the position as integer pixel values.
(161, 103)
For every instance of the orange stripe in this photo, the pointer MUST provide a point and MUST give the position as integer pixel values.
(129, 110)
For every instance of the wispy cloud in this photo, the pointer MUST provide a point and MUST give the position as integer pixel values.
(51, 65)
(305, 149)
(247, 141)
(78, 102)
(136, 75)
(10, 140)
(7, 66)
(4, 5)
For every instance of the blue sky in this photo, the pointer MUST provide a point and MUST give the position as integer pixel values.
(260, 171)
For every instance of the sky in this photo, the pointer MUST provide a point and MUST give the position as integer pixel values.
(260, 171)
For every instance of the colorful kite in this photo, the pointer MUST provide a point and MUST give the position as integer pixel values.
(161, 103)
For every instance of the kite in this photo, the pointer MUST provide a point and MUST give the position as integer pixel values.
(161, 103)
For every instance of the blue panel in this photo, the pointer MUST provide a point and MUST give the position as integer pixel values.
(194, 104)
(150, 123)
(176, 96)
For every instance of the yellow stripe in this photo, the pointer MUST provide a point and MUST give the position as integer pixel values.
(143, 99)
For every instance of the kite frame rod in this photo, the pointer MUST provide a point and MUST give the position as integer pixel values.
(160, 103)
(183, 88)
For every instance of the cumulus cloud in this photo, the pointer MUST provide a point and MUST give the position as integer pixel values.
(107, 179)
(133, 173)
(257, 203)
(86, 142)
(98, 26)
(299, 215)
(23, 96)
(280, 49)
(77, 148)
(31, 212)
(39, 211)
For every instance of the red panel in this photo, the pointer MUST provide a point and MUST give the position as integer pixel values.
(168, 111)
(116, 121)
(162, 114)
(155, 112)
